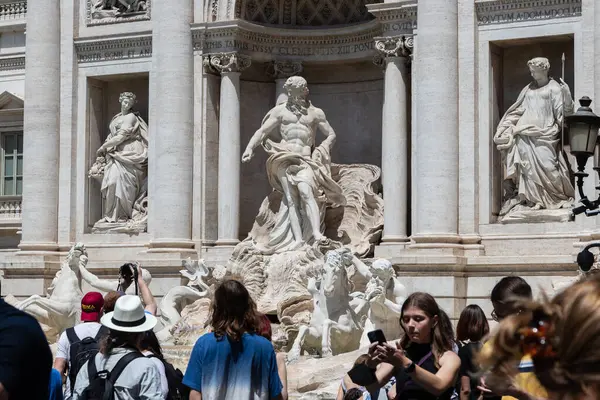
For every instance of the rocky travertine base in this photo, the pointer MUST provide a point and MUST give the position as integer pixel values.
(309, 378)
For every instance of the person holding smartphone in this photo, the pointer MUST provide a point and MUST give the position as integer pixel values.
(422, 362)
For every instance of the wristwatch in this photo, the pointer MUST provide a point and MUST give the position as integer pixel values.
(411, 368)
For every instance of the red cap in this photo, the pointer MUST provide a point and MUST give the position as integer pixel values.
(264, 329)
(91, 307)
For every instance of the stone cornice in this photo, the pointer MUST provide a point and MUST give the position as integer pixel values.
(92, 20)
(116, 48)
(396, 18)
(506, 11)
(269, 44)
(12, 62)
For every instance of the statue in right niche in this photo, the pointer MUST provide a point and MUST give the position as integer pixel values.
(122, 168)
(528, 136)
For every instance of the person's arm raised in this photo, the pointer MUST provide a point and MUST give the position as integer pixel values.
(147, 297)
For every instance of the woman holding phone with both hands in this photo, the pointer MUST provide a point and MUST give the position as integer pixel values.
(423, 363)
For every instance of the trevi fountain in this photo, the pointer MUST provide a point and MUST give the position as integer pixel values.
(334, 156)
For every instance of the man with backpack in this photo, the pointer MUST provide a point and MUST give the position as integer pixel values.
(78, 344)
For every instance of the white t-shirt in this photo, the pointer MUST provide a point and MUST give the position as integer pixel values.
(63, 350)
(164, 384)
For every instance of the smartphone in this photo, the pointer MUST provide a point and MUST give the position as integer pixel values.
(376, 336)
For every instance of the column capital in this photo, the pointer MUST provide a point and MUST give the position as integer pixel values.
(226, 62)
(394, 46)
(280, 69)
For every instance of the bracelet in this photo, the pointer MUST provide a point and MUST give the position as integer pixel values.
(411, 368)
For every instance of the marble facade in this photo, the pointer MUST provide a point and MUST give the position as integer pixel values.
(414, 87)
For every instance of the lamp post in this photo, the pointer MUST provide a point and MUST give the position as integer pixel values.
(583, 134)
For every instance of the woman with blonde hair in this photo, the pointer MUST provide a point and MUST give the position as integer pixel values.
(561, 335)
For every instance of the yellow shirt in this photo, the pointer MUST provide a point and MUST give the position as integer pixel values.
(527, 381)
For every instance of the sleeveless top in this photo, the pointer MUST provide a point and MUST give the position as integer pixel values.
(406, 388)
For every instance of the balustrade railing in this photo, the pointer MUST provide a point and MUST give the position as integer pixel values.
(10, 208)
(11, 11)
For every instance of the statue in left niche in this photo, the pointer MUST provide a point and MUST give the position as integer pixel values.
(122, 167)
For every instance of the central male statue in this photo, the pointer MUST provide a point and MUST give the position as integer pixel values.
(297, 169)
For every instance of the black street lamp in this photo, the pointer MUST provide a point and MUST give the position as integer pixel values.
(585, 259)
(583, 134)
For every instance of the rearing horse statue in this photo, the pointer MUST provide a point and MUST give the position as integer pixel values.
(334, 327)
(61, 308)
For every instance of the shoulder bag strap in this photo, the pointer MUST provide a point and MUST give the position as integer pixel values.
(92, 371)
(121, 364)
(72, 336)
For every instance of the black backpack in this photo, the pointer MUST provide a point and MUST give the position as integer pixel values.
(101, 386)
(81, 351)
(177, 390)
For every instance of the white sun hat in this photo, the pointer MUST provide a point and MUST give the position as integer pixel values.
(129, 316)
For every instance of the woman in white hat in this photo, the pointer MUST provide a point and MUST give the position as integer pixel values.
(133, 376)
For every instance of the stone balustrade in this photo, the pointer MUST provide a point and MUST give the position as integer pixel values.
(10, 208)
(11, 11)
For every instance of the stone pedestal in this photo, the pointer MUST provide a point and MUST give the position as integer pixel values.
(230, 65)
(41, 127)
(436, 158)
(394, 144)
(281, 71)
(172, 158)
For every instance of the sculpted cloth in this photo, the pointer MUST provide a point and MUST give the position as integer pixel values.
(124, 184)
(313, 171)
(533, 162)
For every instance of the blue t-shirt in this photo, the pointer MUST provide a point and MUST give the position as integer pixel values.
(222, 369)
(55, 386)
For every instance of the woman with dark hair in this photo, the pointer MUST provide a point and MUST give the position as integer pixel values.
(423, 363)
(472, 328)
(265, 331)
(233, 361)
(150, 347)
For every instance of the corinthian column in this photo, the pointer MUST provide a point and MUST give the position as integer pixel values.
(281, 71)
(394, 142)
(436, 159)
(172, 159)
(41, 127)
(230, 65)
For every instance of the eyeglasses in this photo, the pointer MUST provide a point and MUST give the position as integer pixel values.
(495, 316)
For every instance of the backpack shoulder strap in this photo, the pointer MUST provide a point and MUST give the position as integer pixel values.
(92, 371)
(100, 333)
(72, 336)
(121, 364)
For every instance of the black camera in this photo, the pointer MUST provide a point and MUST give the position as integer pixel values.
(128, 273)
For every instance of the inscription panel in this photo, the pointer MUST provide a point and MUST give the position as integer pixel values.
(268, 47)
(509, 11)
(111, 50)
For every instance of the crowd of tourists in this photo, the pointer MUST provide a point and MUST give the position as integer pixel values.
(541, 349)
